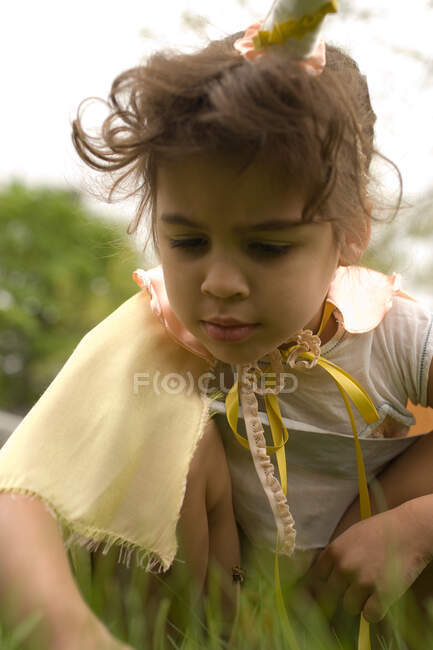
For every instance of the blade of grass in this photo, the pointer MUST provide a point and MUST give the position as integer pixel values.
(160, 623)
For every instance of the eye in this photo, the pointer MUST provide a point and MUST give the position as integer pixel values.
(194, 243)
(264, 248)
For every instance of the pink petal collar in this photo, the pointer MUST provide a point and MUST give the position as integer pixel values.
(363, 297)
(153, 282)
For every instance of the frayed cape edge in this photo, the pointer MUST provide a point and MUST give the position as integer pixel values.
(94, 539)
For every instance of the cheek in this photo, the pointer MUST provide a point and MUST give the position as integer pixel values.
(178, 288)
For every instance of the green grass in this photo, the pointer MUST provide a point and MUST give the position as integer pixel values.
(13, 640)
(175, 618)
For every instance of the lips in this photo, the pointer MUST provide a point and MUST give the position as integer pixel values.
(228, 329)
(227, 322)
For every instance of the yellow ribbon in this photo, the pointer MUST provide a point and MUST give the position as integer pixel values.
(293, 27)
(348, 386)
(274, 415)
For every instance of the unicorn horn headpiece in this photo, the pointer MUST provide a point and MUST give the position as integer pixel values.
(295, 25)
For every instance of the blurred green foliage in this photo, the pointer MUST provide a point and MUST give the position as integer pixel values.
(163, 612)
(62, 270)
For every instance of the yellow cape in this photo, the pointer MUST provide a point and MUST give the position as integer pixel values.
(108, 454)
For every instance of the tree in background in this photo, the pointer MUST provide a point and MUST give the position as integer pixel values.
(62, 270)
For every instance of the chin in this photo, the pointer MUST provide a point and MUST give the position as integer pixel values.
(238, 356)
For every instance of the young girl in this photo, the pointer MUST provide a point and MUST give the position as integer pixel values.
(253, 158)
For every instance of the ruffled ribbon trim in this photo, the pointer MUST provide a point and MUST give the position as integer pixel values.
(305, 353)
(363, 297)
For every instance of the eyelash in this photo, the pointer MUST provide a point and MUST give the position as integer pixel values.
(260, 248)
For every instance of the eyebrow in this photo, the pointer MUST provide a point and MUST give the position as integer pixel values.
(276, 224)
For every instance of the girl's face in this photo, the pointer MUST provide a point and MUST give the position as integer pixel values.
(242, 272)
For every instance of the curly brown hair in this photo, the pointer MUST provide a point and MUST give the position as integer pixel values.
(317, 130)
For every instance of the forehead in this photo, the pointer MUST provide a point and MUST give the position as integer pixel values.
(202, 186)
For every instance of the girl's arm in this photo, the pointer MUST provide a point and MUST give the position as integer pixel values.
(35, 576)
(408, 478)
(207, 525)
(357, 564)
(208, 539)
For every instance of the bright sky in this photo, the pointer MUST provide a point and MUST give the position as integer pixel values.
(53, 54)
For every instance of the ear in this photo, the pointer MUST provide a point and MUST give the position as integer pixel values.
(353, 245)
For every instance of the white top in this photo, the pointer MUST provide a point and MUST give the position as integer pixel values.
(391, 362)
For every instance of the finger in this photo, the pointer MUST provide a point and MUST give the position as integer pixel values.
(339, 581)
(355, 598)
(375, 608)
(325, 581)
(321, 596)
(333, 591)
(328, 593)
(316, 588)
(328, 600)
(322, 567)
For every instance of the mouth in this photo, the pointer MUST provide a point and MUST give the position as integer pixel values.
(228, 329)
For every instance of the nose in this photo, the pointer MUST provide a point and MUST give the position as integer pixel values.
(224, 279)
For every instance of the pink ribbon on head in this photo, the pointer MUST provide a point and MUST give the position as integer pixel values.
(313, 63)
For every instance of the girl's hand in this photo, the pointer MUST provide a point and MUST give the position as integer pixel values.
(91, 635)
(372, 563)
